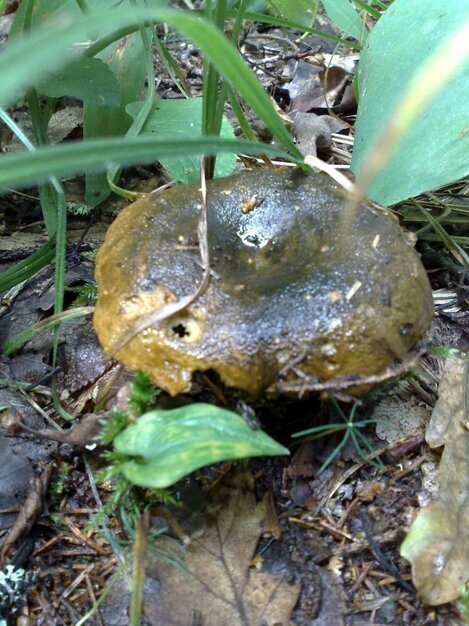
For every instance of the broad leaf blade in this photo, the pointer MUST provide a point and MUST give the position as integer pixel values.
(126, 61)
(435, 151)
(89, 80)
(168, 445)
(172, 119)
(344, 16)
(302, 11)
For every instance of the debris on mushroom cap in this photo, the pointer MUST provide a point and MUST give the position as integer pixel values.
(288, 295)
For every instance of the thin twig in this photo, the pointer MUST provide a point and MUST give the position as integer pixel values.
(382, 558)
(311, 384)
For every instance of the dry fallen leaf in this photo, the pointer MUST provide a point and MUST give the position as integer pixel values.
(315, 86)
(219, 587)
(438, 542)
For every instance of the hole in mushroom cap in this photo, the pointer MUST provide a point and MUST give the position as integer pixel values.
(181, 330)
(187, 327)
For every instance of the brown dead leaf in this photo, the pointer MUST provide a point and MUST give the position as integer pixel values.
(312, 132)
(219, 586)
(62, 123)
(314, 87)
(438, 542)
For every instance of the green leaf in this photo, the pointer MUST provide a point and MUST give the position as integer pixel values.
(71, 158)
(126, 61)
(168, 445)
(172, 119)
(42, 12)
(284, 23)
(344, 16)
(302, 12)
(435, 151)
(89, 80)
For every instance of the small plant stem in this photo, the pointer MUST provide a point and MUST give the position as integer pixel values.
(141, 531)
(138, 123)
(334, 453)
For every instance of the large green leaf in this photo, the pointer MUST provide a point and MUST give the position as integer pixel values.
(126, 61)
(301, 11)
(344, 16)
(168, 445)
(173, 119)
(89, 80)
(435, 151)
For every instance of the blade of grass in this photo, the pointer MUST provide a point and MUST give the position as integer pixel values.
(21, 338)
(448, 241)
(366, 7)
(77, 157)
(28, 267)
(324, 428)
(375, 459)
(284, 23)
(171, 66)
(334, 453)
(213, 89)
(239, 113)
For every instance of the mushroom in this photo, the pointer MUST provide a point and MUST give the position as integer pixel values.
(290, 295)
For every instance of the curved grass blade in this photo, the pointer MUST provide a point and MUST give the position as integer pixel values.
(18, 169)
(25, 335)
(28, 267)
(284, 23)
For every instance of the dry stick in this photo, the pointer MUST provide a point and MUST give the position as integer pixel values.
(385, 563)
(156, 317)
(428, 81)
(341, 383)
(142, 526)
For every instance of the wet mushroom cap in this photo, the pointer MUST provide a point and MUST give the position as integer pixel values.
(288, 285)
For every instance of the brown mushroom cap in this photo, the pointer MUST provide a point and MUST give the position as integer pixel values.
(285, 286)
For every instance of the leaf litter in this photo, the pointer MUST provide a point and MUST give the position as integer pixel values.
(438, 542)
(219, 580)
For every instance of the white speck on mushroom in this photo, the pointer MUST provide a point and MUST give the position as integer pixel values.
(335, 323)
(375, 243)
(328, 349)
(353, 290)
